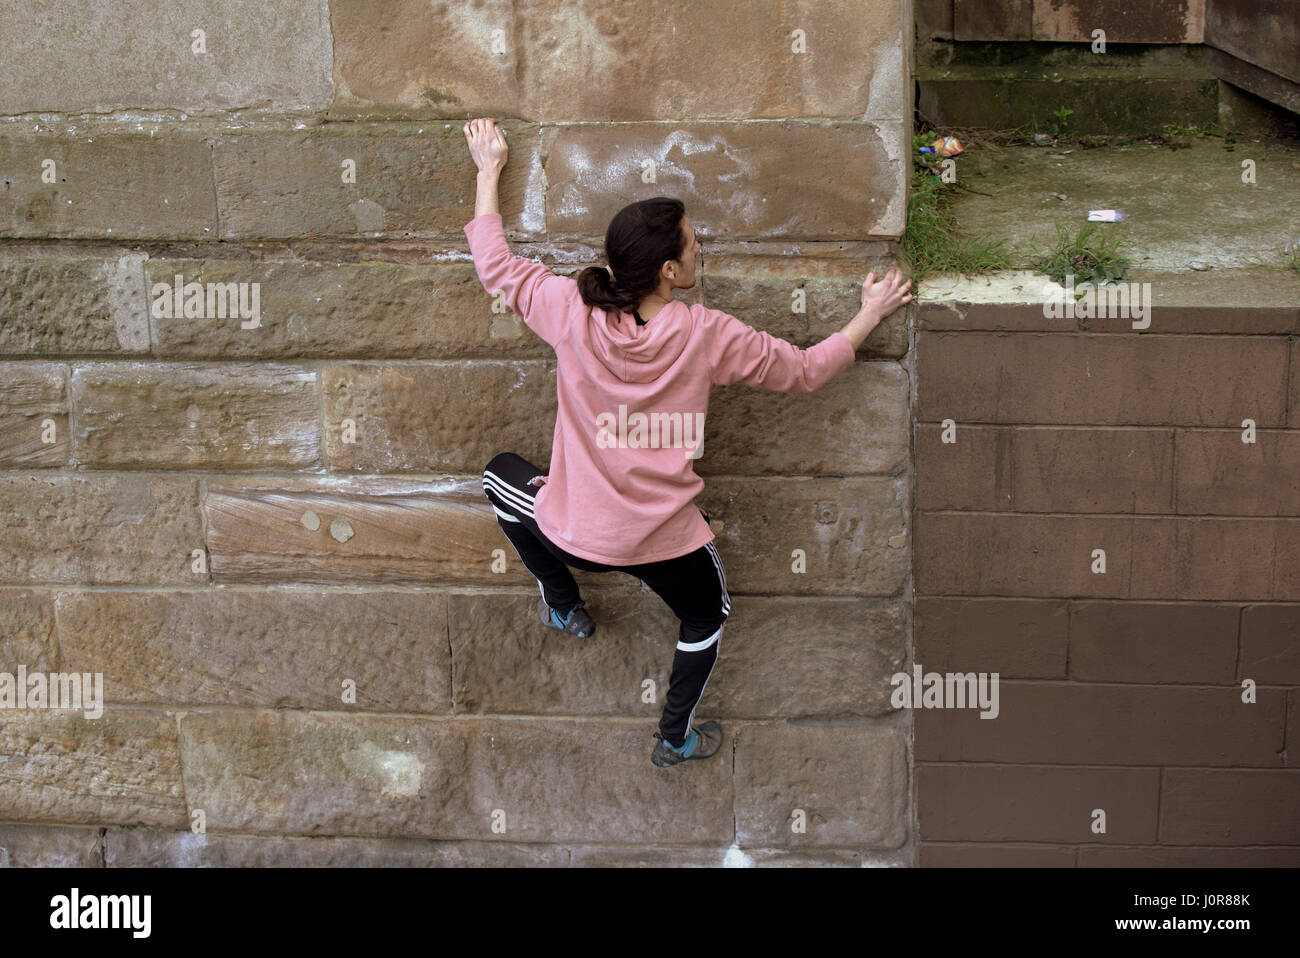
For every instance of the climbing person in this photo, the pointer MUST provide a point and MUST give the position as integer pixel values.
(634, 371)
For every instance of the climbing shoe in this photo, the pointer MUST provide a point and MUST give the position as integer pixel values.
(577, 622)
(701, 742)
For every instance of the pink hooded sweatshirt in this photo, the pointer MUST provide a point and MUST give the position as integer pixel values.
(632, 402)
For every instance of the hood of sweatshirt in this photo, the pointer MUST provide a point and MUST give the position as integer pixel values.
(640, 354)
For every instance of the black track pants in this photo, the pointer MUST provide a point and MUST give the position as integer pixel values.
(694, 586)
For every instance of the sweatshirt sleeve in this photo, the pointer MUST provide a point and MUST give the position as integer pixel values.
(541, 297)
(739, 353)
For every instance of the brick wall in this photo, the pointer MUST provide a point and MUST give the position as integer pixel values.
(181, 511)
(1122, 689)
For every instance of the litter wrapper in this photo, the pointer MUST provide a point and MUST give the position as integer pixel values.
(944, 146)
(1106, 216)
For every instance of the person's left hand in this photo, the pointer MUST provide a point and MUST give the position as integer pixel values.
(487, 144)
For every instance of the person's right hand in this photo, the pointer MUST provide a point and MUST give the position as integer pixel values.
(884, 296)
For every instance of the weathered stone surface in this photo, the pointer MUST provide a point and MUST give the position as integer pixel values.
(60, 766)
(272, 648)
(850, 782)
(27, 634)
(362, 310)
(1258, 31)
(109, 186)
(382, 57)
(763, 290)
(859, 422)
(505, 661)
(60, 303)
(191, 416)
(45, 846)
(737, 71)
(33, 399)
(410, 181)
(597, 856)
(314, 774)
(592, 781)
(436, 417)
(151, 848)
(536, 59)
(99, 529)
(853, 533)
(259, 529)
(790, 658)
(80, 56)
(727, 175)
(330, 774)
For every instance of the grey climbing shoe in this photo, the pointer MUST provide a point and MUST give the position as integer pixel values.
(577, 622)
(701, 742)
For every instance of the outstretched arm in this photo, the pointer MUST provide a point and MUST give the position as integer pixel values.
(487, 145)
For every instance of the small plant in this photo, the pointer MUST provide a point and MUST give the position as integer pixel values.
(1061, 113)
(1089, 256)
(931, 242)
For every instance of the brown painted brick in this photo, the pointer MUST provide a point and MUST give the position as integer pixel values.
(1072, 21)
(992, 19)
(1153, 642)
(1293, 410)
(1044, 556)
(411, 181)
(1205, 806)
(958, 314)
(764, 291)
(112, 185)
(432, 417)
(1087, 724)
(55, 303)
(196, 416)
(691, 160)
(27, 634)
(122, 768)
(979, 855)
(972, 473)
(99, 529)
(1092, 470)
(1100, 380)
(1018, 803)
(1239, 559)
(1270, 645)
(1159, 856)
(33, 395)
(1258, 31)
(856, 423)
(72, 58)
(335, 310)
(152, 848)
(1017, 638)
(271, 648)
(850, 782)
(1218, 474)
(49, 846)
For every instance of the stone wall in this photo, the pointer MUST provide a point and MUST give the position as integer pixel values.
(185, 510)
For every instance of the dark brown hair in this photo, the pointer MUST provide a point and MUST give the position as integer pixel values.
(640, 239)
